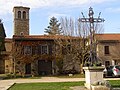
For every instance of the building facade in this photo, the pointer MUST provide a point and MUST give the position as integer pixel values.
(108, 49)
(33, 55)
(40, 55)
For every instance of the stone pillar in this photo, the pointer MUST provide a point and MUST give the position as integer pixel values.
(92, 75)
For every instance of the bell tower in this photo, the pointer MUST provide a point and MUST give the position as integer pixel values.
(21, 20)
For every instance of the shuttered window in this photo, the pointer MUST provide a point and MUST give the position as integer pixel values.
(27, 50)
(106, 50)
(44, 49)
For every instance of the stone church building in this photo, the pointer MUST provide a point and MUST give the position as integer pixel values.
(35, 54)
(30, 54)
(22, 49)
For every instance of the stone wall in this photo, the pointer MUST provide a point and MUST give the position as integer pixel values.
(21, 26)
(8, 56)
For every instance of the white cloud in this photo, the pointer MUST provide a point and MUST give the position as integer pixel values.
(101, 1)
(113, 10)
(57, 15)
(7, 5)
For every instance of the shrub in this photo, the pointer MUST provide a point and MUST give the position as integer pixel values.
(70, 71)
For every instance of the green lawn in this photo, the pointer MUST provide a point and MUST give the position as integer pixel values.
(115, 83)
(55, 85)
(46, 86)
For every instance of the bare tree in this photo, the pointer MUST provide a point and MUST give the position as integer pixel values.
(75, 42)
(72, 44)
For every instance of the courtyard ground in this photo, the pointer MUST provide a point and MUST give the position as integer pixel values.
(5, 84)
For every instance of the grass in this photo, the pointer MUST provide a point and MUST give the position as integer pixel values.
(55, 85)
(115, 83)
(46, 86)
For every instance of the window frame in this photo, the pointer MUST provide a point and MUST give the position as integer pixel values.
(106, 50)
(107, 63)
(42, 49)
(27, 50)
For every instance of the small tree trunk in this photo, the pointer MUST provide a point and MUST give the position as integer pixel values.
(81, 69)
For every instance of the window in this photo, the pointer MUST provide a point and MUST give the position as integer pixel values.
(21, 33)
(107, 63)
(106, 50)
(27, 50)
(34, 50)
(24, 15)
(69, 47)
(44, 49)
(19, 14)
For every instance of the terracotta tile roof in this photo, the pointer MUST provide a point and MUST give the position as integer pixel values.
(39, 37)
(8, 39)
(107, 36)
(114, 36)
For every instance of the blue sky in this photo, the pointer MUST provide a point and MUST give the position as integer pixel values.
(42, 10)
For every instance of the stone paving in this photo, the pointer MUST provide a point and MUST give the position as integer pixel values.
(5, 84)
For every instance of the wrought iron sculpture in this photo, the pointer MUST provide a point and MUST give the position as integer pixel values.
(91, 20)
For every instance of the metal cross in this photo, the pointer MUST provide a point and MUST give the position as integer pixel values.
(91, 20)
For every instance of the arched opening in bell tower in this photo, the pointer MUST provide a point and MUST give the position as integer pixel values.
(19, 14)
(24, 15)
